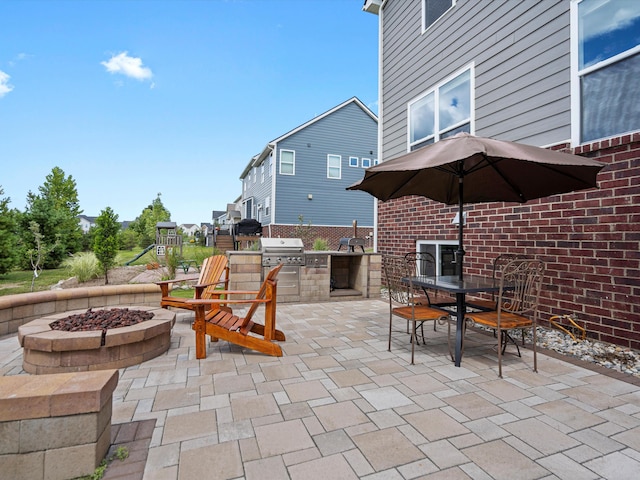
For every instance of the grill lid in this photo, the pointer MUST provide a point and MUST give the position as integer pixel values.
(286, 245)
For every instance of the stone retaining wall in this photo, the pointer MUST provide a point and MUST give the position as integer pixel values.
(16, 310)
(55, 426)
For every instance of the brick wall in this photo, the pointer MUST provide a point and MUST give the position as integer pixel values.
(590, 240)
(331, 234)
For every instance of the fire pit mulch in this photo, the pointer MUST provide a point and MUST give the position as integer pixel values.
(98, 339)
(101, 320)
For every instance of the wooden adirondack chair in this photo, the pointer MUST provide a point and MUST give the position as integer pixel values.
(220, 323)
(213, 273)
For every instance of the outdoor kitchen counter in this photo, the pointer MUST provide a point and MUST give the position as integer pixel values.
(353, 275)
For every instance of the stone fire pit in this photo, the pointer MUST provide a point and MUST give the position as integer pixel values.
(56, 351)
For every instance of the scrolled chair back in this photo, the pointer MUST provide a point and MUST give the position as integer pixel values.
(394, 271)
(421, 263)
(520, 286)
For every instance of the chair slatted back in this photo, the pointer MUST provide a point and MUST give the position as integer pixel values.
(269, 283)
(520, 286)
(213, 269)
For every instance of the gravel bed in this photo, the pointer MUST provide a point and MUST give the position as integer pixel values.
(605, 354)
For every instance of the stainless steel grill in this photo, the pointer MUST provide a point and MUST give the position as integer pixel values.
(289, 251)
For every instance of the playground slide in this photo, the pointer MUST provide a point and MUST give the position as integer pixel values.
(140, 254)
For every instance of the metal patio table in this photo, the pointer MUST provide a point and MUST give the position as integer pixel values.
(460, 287)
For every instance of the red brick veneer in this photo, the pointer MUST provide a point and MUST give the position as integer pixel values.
(590, 240)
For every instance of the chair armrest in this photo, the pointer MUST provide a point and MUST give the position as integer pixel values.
(236, 292)
(176, 280)
(203, 285)
(213, 301)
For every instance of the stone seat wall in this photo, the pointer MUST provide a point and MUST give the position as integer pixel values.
(55, 426)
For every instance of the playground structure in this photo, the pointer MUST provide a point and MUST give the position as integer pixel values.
(167, 239)
(140, 254)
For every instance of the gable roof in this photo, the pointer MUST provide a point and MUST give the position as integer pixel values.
(258, 159)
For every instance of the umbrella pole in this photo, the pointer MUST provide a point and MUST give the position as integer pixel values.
(460, 251)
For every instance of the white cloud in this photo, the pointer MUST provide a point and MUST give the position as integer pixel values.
(132, 67)
(608, 16)
(5, 86)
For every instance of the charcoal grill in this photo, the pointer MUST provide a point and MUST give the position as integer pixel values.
(289, 252)
(351, 243)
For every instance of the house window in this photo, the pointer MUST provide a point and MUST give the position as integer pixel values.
(255, 174)
(432, 10)
(267, 203)
(366, 162)
(443, 252)
(606, 62)
(270, 163)
(334, 166)
(287, 162)
(248, 208)
(262, 173)
(376, 161)
(441, 112)
(353, 161)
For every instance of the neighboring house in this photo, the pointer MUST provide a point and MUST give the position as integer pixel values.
(234, 214)
(206, 231)
(218, 216)
(555, 74)
(86, 222)
(303, 174)
(189, 229)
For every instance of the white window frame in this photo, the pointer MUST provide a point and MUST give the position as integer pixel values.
(366, 162)
(438, 133)
(352, 163)
(267, 204)
(331, 156)
(376, 161)
(426, 27)
(293, 162)
(438, 244)
(262, 173)
(576, 74)
(255, 175)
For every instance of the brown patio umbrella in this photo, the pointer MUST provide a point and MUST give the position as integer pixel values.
(467, 169)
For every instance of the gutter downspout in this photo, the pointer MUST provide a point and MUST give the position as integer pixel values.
(380, 117)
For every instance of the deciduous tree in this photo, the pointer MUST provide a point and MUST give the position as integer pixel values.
(105, 240)
(145, 224)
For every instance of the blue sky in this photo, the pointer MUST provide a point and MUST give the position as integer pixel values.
(134, 98)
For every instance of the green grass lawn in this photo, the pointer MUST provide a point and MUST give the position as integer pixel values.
(19, 281)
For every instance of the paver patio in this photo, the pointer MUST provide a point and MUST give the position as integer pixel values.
(339, 405)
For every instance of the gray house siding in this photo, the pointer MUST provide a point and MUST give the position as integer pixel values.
(520, 55)
(349, 131)
(259, 191)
